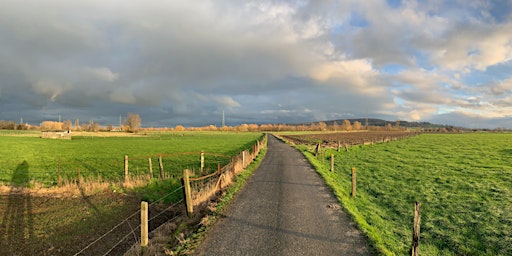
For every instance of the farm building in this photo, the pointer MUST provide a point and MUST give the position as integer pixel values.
(63, 135)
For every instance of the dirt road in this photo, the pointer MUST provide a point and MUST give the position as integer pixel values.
(285, 209)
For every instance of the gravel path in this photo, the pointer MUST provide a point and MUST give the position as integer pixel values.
(285, 209)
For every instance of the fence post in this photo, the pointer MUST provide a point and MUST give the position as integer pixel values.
(332, 162)
(202, 161)
(188, 196)
(416, 229)
(144, 224)
(317, 149)
(243, 159)
(125, 168)
(354, 172)
(160, 163)
(150, 168)
(218, 168)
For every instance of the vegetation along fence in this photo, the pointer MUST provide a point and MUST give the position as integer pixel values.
(198, 185)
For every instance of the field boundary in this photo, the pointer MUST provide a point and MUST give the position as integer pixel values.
(176, 214)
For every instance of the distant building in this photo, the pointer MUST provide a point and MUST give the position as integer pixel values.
(63, 135)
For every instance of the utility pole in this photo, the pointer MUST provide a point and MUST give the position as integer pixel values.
(366, 120)
(223, 119)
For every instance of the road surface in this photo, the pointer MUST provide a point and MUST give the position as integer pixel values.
(285, 209)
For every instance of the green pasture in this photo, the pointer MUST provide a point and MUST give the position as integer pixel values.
(463, 182)
(27, 158)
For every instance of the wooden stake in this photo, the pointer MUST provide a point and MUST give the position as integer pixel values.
(160, 163)
(202, 161)
(144, 240)
(125, 168)
(188, 193)
(354, 172)
(416, 229)
(150, 164)
(243, 159)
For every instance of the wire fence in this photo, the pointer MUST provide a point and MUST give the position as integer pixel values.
(61, 170)
(206, 181)
(129, 227)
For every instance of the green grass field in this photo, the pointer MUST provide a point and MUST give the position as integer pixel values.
(30, 158)
(463, 181)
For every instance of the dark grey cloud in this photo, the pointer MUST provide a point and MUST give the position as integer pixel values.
(184, 62)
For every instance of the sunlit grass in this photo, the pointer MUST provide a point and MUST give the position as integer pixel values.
(104, 156)
(464, 182)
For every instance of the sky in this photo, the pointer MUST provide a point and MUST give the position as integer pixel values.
(182, 62)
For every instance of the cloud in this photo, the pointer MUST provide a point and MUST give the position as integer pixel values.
(259, 61)
(103, 74)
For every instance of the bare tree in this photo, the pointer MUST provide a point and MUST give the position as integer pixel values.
(357, 125)
(346, 125)
(66, 125)
(133, 122)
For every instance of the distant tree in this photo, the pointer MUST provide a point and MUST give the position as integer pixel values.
(133, 122)
(7, 125)
(243, 128)
(66, 125)
(346, 125)
(253, 127)
(179, 128)
(357, 125)
(335, 126)
(51, 125)
(92, 126)
(322, 126)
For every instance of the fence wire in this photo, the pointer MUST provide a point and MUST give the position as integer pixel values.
(126, 220)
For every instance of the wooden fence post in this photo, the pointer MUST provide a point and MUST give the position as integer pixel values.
(354, 172)
(188, 196)
(218, 168)
(416, 229)
(144, 224)
(160, 163)
(150, 165)
(243, 159)
(202, 161)
(126, 168)
(317, 150)
(332, 162)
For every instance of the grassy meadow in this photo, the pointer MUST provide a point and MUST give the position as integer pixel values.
(57, 224)
(463, 182)
(30, 158)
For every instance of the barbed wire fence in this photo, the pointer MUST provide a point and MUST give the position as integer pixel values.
(173, 209)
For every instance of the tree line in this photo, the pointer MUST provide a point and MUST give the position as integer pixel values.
(132, 123)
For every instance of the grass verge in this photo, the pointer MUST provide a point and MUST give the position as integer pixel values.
(462, 181)
(218, 207)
